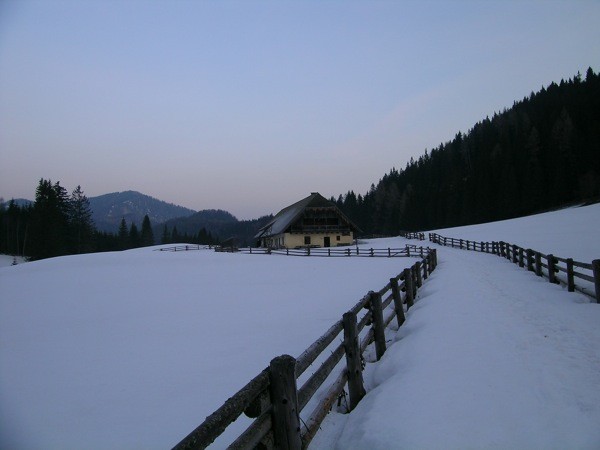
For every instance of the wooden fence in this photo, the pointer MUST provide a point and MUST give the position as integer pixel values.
(185, 248)
(412, 235)
(408, 250)
(273, 398)
(556, 269)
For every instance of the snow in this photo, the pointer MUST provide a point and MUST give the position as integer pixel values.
(133, 349)
(8, 260)
(569, 233)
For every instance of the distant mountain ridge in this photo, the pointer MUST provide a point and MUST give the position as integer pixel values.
(109, 209)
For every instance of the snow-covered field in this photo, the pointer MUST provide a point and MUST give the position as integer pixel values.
(133, 349)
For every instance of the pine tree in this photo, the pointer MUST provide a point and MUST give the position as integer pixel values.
(81, 222)
(123, 235)
(147, 237)
(175, 238)
(164, 239)
(134, 236)
(50, 220)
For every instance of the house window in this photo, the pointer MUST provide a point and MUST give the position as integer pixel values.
(306, 240)
(337, 238)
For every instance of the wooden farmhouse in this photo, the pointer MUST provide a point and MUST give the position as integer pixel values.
(312, 222)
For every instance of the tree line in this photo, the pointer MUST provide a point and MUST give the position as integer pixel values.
(58, 223)
(541, 154)
(172, 236)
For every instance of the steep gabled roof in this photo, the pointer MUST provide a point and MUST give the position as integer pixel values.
(287, 216)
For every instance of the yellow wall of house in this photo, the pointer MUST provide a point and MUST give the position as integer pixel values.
(289, 240)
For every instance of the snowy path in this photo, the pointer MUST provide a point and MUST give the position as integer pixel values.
(490, 357)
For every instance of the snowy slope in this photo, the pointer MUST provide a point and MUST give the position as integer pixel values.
(569, 233)
(491, 356)
(133, 349)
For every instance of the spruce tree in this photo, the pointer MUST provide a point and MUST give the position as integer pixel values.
(81, 222)
(164, 239)
(147, 237)
(134, 236)
(50, 220)
(123, 235)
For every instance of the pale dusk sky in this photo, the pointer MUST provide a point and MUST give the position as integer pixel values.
(249, 106)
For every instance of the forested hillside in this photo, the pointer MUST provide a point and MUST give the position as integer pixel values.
(109, 209)
(542, 153)
(217, 224)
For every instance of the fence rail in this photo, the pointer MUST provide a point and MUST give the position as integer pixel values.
(547, 266)
(185, 248)
(412, 235)
(273, 399)
(408, 250)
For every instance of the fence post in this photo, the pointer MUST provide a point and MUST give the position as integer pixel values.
(418, 273)
(371, 252)
(407, 250)
(425, 268)
(284, 397)
(596, 269)
(521, 262)
(570, 275)
(378, 328)
(514, 253)
(551, 269)
(538, 264)
(529, 259)
(408, 288)
(389, 253)
(398, 308)
(356, 387)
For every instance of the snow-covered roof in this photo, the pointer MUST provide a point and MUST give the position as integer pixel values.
(287, 216)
